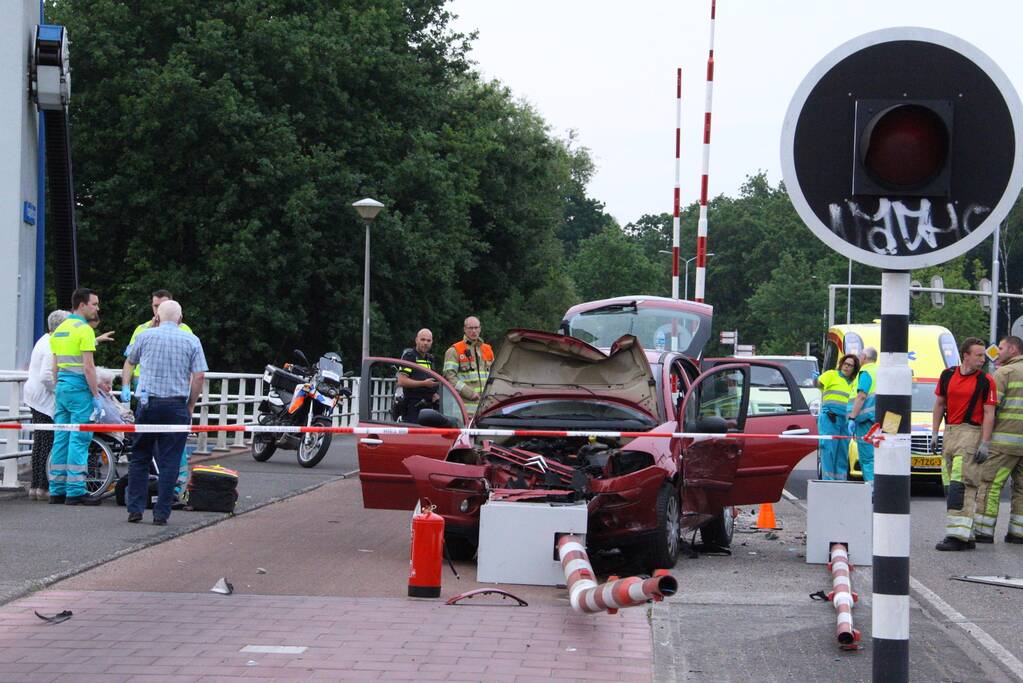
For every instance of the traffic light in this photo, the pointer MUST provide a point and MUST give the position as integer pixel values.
(901, 148)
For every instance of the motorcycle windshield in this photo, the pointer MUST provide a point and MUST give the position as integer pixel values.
(330, 368)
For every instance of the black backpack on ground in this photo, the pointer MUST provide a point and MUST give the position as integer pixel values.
(212, 488)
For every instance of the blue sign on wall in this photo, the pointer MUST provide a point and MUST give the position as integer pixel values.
(28, 213)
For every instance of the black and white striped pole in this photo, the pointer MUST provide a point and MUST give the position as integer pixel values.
(890, 611)
(901, 149)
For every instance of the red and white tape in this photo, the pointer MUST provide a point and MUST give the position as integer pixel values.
(294, 429)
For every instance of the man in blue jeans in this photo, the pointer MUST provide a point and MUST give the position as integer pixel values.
(168, 389)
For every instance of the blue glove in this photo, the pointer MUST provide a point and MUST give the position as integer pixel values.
(851, 427)
(98, 411)
(126, 394)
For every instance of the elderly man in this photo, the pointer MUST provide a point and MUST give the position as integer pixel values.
(420, 389)
(168, 389)
(861, 411)
(467, 364)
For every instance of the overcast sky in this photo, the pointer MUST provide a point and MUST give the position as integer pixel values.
(606, 69)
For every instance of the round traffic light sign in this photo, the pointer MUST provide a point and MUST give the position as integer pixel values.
(902, 148)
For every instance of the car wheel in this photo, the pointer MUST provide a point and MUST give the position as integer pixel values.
(459, 547)
(668, 535)
(718, 531)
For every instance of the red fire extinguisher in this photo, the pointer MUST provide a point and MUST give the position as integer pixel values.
(427, 553)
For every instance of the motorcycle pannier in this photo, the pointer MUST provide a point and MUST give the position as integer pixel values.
(212, 488)
(281, 379)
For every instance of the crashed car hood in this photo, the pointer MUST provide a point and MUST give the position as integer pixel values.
(534, 363)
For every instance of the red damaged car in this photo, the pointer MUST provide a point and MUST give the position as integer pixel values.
(641, 493)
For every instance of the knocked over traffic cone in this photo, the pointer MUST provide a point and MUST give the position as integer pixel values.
(765, 519)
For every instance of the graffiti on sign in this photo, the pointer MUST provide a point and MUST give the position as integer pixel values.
(896, 227)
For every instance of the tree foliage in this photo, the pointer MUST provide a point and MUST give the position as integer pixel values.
(218, 147)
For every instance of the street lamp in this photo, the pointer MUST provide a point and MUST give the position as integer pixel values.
(368, 210)
(688, 261)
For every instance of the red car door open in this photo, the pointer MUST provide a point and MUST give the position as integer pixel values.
(386, 483)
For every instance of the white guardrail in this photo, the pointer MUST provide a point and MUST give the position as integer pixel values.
(228, 398)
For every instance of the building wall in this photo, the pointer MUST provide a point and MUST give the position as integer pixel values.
(18, 184)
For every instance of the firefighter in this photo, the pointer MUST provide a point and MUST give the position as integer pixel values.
(861, 411)
(467, 365)
(966, 398)
(1006, 457)
(836, 386)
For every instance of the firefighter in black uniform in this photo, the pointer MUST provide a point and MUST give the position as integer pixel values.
(420, 390)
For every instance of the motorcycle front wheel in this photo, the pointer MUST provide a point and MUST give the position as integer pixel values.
(313, 447)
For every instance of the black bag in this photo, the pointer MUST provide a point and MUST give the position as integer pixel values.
(121, 491)
(212, 488)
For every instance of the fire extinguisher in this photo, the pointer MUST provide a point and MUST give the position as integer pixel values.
(427, 553)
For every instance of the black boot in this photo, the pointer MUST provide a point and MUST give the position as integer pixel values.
(82, 500)
(952, 543)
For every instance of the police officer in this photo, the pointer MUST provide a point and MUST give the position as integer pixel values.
(467, 365)
(159, 296)
(73, 344)
(420, 390)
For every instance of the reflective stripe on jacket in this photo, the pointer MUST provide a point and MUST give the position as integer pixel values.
(71, 338)
(1008, 432)
(835, 392)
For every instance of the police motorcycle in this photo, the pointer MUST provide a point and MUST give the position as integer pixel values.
(300, 395)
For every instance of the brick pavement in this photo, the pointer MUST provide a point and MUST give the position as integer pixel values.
(198, 637)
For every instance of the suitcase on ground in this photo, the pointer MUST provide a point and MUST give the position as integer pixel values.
(212, 488)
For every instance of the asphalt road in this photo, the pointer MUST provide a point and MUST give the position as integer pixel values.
(42, 543)
(960, 606)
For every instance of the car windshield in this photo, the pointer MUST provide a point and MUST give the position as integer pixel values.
(658, 329)
(923, 397)
(569, 410)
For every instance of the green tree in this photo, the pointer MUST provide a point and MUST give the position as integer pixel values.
(610, 264)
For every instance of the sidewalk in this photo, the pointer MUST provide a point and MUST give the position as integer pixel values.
(172, 637)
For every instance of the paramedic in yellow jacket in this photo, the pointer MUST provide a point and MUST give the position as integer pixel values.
(467, 365)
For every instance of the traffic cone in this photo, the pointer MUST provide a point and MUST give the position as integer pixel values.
(765, 519)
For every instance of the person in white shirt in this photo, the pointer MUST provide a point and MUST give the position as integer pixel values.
(39, 397)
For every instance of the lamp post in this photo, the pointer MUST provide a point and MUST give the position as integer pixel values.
(368, 210)
(688, 261)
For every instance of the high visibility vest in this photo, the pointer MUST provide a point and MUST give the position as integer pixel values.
(69, 340)
(139, 330)
(468, 365)
(835, 392)
(1008, 432)
(867, 411)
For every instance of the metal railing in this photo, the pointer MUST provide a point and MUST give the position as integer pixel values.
(228, 398)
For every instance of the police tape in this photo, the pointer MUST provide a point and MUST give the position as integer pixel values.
(872, 436)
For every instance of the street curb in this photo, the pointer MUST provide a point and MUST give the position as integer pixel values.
(47, 581)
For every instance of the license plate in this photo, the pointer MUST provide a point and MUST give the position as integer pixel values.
(920, 461)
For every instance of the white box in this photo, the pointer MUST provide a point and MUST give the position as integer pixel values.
(517, 541)
(839, 512)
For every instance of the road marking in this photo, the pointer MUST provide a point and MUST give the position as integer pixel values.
(1008, 660)
(275, 649)
(925, 594)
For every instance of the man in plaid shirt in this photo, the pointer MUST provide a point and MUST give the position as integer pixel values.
(168, 389)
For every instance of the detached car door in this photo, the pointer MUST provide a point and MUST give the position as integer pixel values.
(386, 483)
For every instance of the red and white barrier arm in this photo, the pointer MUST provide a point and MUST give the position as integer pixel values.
(587, 597)
(842, 597)
(268, 429)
